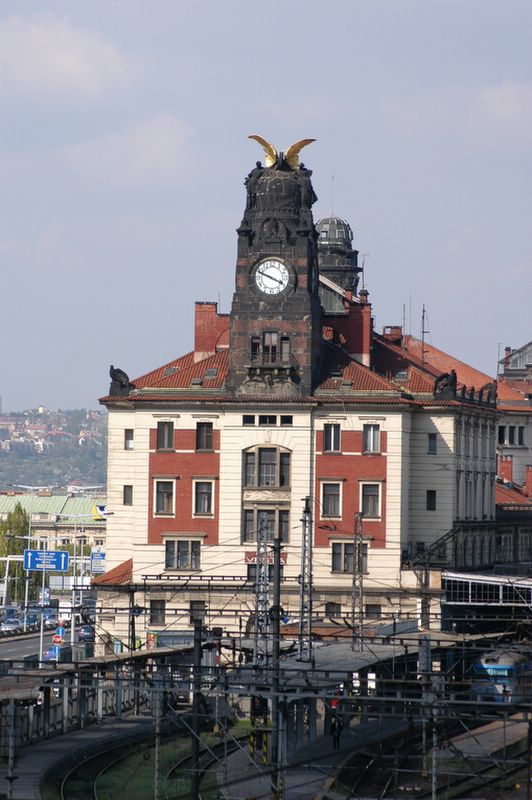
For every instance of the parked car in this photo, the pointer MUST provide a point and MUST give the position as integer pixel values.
(11, 626)
(33, 621)
(86, 633)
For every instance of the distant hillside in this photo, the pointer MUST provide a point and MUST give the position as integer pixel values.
(53, 448)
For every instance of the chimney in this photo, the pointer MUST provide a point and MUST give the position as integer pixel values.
(505, 468)
(209, 326)
(507, 353)
(528, 480)
(393, 333)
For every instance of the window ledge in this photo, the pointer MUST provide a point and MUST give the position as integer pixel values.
(184, 571)
(372, 452)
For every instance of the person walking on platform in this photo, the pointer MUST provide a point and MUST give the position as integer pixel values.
(336, 730)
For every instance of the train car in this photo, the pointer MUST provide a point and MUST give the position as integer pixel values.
(502, 676)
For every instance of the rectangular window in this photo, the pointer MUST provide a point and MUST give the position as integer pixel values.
(266, 523)
(203, 497)
(269, 520)
(284, 469)
(511, 434)
(270, 347)
(285, 350)
(248, 419)
(255, 348)
(501, 434)
(266, 467)
(165, 436)
(372, 439)
(373, 611)
(333, 609)
(330, 499)
(331, 437)
(182, 554)
(197, 610)
(287, 419)
(371, 500)
(431, 500)
(267, 419)
(128, 439)
(252, 572)
(164, 497)
(249, 469)
(521, 435)
(343, 556)
(267, 463)
(204, 436)
(157, 612)
(432, 443)
(127, 495)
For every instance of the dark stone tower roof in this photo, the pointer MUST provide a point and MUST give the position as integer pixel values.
(336, 257)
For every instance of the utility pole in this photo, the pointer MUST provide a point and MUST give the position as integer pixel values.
(196, 704)
(305, 596)
(357, 591)
(157, 760)
(277, 707)
(260, 641)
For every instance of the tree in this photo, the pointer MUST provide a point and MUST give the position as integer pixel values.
(13, 541)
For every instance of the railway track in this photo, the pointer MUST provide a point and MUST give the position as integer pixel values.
(399, 769)
(182, 769)
(86, 780)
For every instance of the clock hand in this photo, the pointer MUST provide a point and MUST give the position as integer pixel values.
(267, 275)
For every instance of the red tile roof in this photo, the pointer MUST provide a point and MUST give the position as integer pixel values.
(511, 495)
(512, 395)
(151, 378)
(443, 362)
(118, 576)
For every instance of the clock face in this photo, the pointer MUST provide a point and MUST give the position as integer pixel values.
(271, 276)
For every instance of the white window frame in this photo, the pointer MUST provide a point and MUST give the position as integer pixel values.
(195, 512)
(189, 540)
(165, 449)
(332, 435)
(164, 513)
(323, 483)
(343, 544)
(361, 499)
(432, 443)
(129, 441)
(256, 510)
(371, 431)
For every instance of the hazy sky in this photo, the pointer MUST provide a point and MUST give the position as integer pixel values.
(123, 152)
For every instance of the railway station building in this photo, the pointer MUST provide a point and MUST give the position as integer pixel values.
(293, 417)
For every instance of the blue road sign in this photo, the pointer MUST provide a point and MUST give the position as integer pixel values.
(60, 631)
(97, 562)
(46, 560)
(53, 652)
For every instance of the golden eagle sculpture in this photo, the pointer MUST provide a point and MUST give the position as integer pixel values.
(272, 158)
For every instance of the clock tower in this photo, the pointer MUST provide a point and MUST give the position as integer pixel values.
(276, 312)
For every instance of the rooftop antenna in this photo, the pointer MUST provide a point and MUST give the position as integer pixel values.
(403, 323)
(497, 371)
(424, 319)
(332, 195)
(364, 255)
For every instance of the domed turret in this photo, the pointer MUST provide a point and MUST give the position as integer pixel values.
(334, 231)
(336, 257)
